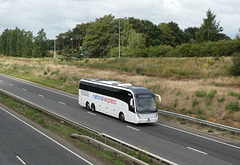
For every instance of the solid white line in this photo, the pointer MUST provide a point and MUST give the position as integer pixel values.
(133, 128)
(62, 103)
(92, 113)
(24, 89)
(21, 160)
(200, 136)
(47, 137)
(40, 95)
(30, 83)
(197, 150)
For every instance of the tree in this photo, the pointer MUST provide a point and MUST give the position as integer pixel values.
(40, 45)
(171, 33)
(238, 35)
(210, 30)
(136, 41)
(97, 37)
(4, 42)
(149, 30)
(27, 44)
(189, 34)
(167, 35)
(136, 44)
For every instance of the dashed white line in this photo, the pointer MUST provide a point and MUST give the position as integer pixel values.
(24, 89)
(92, 113)
(40, 95)
(11, 84)
(62, 103)
(197, 150)
(35, 85)
(133, 128)
(203, 137)
(21, 160)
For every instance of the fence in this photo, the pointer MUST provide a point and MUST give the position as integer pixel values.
(212, 124)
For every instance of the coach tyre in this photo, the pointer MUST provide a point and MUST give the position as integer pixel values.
(87, 105)
(121, 117)
(93, 107)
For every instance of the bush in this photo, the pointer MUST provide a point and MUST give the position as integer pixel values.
(235, 69)
(195, 103)
(201, 93)
(211, 94)
(232, 107)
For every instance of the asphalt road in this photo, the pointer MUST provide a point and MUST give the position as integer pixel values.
(175, 144)
(21, 144)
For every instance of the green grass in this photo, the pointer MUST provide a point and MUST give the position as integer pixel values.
(201, 93)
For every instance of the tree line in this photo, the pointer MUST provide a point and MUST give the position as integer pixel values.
(142, 38)
(21, 43)
(138, 38)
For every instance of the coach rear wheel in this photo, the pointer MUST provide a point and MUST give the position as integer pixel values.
(93, 108)
(121, 117)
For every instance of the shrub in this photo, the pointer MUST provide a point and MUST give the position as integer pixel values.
(235, 69)
(201, 111)
(234, 94)
(195, 103)
(211, 94)
(221, 99)
(45, 72)
(232, 106)
(201, 93)
(139, 71)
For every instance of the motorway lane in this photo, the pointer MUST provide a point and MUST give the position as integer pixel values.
(21, 143)
(174, 145)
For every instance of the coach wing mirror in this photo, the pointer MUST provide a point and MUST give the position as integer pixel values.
(131, 103)
(159, 97)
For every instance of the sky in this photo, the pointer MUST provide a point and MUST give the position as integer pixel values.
(59, 16)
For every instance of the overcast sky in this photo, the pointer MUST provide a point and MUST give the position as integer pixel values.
(58, 16)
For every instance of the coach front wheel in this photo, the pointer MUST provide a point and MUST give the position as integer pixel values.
(121, 117)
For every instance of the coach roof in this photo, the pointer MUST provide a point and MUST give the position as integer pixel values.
(135, 89)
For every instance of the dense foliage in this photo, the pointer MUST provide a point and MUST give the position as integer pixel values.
(21, 43)
(142, 38)
(138, 38)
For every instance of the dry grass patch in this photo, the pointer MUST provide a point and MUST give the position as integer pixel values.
(178, 93)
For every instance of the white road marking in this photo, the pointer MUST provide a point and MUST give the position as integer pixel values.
(21, 160)
(11, 84)
(133, 128)
(30, 83)
(40, 95)
(197, 150)
(47, 137)
(200, 136)
(24, 89)
(1, 81)
(92, 113)
(62, 103)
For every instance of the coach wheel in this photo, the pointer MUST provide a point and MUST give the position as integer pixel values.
(121, 117)
(87, 105)
(93, 108)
